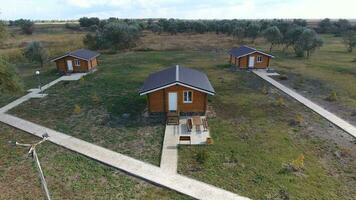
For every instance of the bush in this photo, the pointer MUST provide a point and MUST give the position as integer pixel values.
(296, 165)
(280, 102)
(265, 90)
(35, 52)
(202, 156)
(87, 22)
(95, 98)
(114, 36)
(27, 26)
(77, 109)
(297, 121)
(283, 77)
(74, 27)
(332, 97)
(9, 81)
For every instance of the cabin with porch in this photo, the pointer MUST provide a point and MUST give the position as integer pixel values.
(177, 91)
(81, 60)
(245, 57)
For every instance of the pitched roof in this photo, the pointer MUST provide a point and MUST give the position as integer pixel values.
(177, 75)
(245, 50)
(80, 53)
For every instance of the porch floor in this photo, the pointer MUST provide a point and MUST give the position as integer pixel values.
(197, 137)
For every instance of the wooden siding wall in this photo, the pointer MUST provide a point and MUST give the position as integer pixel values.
(84, 65)
(158, 100)
(243, 61)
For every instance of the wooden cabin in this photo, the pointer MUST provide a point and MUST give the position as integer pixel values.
(81, 60)
(178, 90)
(246, 57)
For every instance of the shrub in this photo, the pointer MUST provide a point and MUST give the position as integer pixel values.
(77, 109)
(264, 89)
(35, 52)
(26, 25)
(74, 27)
(332, 96)
(296, 165)
(283, 77)
(280, 102)
(202, 156)
(95, 98)
(297, 121)
(9, 81)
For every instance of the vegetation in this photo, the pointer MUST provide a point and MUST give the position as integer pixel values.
(3, 32)
(8, 80)
(26, 25)
(114, 35)
(35, 52)
(69, 175)
(307, 43)
(87, 22)
(349, 39)
(273, 36)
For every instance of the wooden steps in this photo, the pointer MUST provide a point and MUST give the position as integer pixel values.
(172, 118)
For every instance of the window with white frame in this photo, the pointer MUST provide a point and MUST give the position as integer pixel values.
(76, 62)
(259, 59)
(187, 96)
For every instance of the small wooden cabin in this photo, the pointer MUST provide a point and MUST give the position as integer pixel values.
(81, 60)
(177, 90)
(246, 57)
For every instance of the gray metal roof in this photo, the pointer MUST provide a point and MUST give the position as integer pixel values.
(177, 75)
(80, 53)
(245, 50)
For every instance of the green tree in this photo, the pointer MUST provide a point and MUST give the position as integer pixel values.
(9, 82)
(26, 25)
(292, 36)
(273, 36)
(156, 28)
(349, 39)
(325, 26)
(3, 32)
(239, 33)
(114, 35)
(253, 30)
(35, 52)
(308, 42)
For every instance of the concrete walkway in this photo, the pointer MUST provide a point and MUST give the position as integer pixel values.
(36, 93)
(318, 109)
(135, 167)
(169, 157)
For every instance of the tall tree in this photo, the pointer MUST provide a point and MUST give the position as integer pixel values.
(8, 79)
(273, 36)
(239, 33)
(325, 26)
(35, 52)
(308, 42)
(3, 32)
(349, 39)
(253, 30)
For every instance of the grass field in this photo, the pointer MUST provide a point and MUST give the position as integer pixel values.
(255, 132)
(68, 175)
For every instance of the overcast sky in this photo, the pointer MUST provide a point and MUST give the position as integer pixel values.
(184, 9)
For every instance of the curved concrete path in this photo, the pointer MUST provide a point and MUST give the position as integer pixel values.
(344, 125)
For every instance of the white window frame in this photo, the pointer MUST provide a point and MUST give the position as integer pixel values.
(184, 96)
(76, 62)
(259, 59)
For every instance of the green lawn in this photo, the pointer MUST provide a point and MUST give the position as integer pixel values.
(68, 174)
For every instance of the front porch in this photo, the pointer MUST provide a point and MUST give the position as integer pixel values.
(183, 134)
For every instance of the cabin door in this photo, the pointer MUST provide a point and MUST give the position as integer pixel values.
(172, 101)
(251, 62)
(69, 65)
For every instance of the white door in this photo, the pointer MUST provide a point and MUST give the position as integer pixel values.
(251, 62)
(172, 101)
(69, 65)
